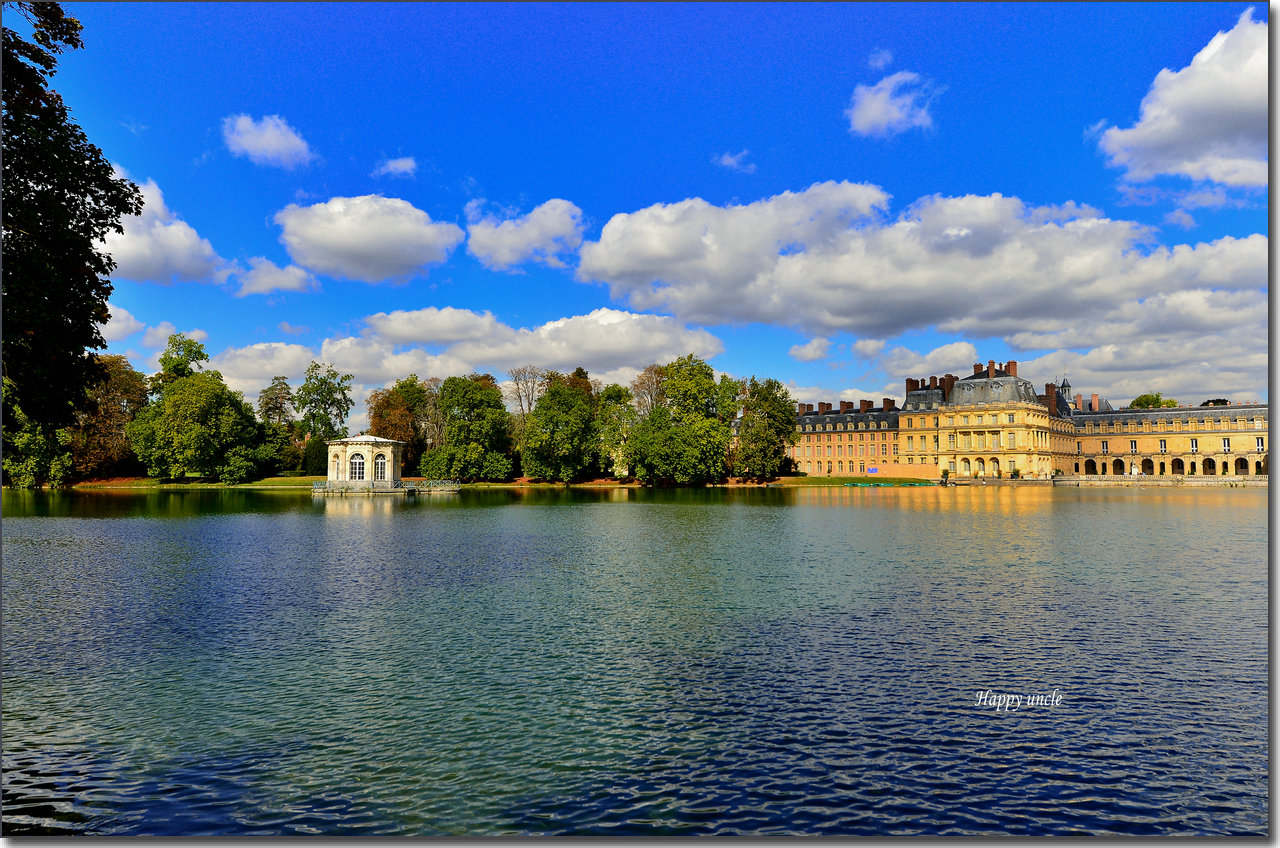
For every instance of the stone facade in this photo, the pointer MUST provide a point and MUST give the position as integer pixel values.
(993, 423)
(370, 462)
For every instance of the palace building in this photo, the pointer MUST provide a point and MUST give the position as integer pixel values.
(994, 423)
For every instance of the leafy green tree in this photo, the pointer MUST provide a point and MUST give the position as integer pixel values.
(34, 454)
(324, 399)
(275, 402)
(560, 433)
(685, 441)
(99, 443)
(1216, 402)
(767, 426)
(198, 425)
(405, 412)
(476, 435)
(615, 418)
(182, 357)
(315, 457)
(61, 197)
(1151, 400)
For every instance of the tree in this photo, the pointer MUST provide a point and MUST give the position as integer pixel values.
(560, 432)
(181, 358)
(99, 443)
(1151, 400)
(61, 197)
(476, 433)
(1216, 402)
(647, 389)
(315, 457)
(766, 428)
(324, 399)
(615, 417)
(33, 454)
(404, 412)
(684, 441)
(275, 402)
(198, 425)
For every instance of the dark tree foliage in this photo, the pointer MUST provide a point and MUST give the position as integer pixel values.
(405, 412)
(61, 197)
(477, 431)
(275, 402)
(1216, 402)
(560, 434)
(315, 457)
(99, 444)
(766, 427)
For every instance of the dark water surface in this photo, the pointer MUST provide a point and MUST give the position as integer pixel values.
(727, 662)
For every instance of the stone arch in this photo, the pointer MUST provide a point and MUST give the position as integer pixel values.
(1209, 466)
(995, 467)
(964, 467)
(1162, 468)
(1090, 467)
(980, 467)
(1177, 466)
(1149, 467)
(1242, 466)
(1191, 467)
(334, 466)
(1117, 466)
(380, 467)
(356, 465)
(1077, 468)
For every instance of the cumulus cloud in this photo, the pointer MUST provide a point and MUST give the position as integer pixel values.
(120, 325)
(868, 348)
(432, 325)
(897, 103)
(735, 162)
(954, 358)
(250, 369)
(405, 166)
(291, 329)
(158, 336)
(978, 266)
(1207, 121)
(270, 141)
(369, 238)
(810, 351)
(720, 263)
(1180, 218)
(265, 276)
(159, 247)
(553, 228)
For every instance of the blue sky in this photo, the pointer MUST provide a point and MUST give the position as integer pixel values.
(838, 196)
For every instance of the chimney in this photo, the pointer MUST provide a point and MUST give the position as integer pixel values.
(1051, 392)
(865, 405)
(824, 408)
(800, 408)
(1012, 367)
(912, 385)
(1079, 401)
(977, 368)
(846, 405)
(1094, 403)
(808, 408)
(991, 367)
(886, 404)
(933, 382)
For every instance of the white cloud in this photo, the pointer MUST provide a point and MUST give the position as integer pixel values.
(879, 60)
(868, 348)
(120, 325)
(250, 369)
(554, 227)
(810, 351)
(405, 166)
(159, 247)
(270, 141)
(264, 277)
(735, 162)
(291, 329)
(897, 103)
(720, 263)
(370, 238)
(977, 266)
(954, 358)
(1180, 218)
(433, 325)
(1207, 121)
(158, 336)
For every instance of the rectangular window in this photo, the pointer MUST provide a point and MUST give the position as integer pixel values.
(964, 419)
(910, 460)
(1164, 448)
(1104, 445)
(1226, 445)
(1010, 418)
(1079, 445)
(1195, 445)
(1260, 447)
(861, 450)
(911, 443)
(951, 441)
(951, 466)
(1012, 441)
(935, 442)
(909, 424)
(1133, 446)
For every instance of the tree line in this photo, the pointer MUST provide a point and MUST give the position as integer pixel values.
(672, 426)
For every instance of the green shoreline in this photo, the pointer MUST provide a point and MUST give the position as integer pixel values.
(306, 482)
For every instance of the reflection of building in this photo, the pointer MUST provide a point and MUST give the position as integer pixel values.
(994, 423)
(365, 462)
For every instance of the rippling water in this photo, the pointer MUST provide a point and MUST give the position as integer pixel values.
(696, 662)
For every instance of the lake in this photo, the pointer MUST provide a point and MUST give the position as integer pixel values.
(622, 662)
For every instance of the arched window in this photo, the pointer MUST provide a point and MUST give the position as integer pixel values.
(357, 467)
(379, 467)
(335, 466)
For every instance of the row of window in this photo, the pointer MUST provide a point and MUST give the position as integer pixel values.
(1164, 447)
(1166, 424)
(355, 467)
